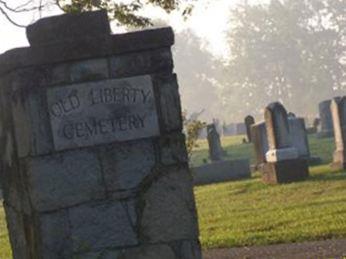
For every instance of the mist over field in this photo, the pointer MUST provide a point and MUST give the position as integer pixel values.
(289, 51)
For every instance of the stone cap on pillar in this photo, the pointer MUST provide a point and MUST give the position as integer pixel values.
(55, 29)
(71, 37)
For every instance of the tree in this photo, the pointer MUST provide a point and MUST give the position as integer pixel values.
(123, 12)
(288, 50)
(192, 128)
(199, 72)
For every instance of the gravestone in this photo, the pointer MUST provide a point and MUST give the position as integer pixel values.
(338, 108)
(94, 158)
(214, 143)
(283, 162)
(326, 122)
(219, 170)
(249, 120)
(218, 126)
(291, 115)
(260, 144)
(299, 138)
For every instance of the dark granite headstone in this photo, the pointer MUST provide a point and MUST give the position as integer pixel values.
(326, 122)
(281, 152)
(260, 143)
(299, 139)
(215, 148)
(249, 121)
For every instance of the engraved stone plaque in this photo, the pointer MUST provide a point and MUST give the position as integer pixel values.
(101, 112)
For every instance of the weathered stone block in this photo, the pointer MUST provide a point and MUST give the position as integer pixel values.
(169, 103)
(85, 48)
(16, 228)
(15, 190)
(30, 79)
(149, 252)
(139, 63)
(221, 171)
(54, 230)
(63, 180)
(169, 205)
(59, 74)
(190, 250)
(285, 171)
(172, 149)
(68, 27)
(126, 165)
(142, 40)
(31, 121)
(101, 225)
(87, 70)
(104, 254)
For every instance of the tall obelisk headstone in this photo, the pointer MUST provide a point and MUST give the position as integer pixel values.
(93, 154)
(338, 108)
(283, 163)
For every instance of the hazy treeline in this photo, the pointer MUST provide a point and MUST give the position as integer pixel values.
(291, 50)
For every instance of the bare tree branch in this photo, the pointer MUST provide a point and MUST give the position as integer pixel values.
(40, 6)
(18, 10)
(10, 19)
(57, 3)
(23, 5)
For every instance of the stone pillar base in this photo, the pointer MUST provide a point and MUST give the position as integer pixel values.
(285, 171)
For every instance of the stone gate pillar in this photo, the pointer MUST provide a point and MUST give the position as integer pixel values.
(94, 159)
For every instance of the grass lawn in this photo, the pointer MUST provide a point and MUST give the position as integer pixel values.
(250, 213)
(5, 252)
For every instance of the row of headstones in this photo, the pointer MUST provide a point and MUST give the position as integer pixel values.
(296, 127)
(281, 146)
(281, 143)
(323, 125)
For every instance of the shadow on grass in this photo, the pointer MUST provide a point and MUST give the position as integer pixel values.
(332, 176)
